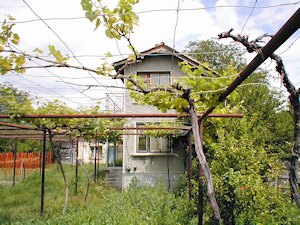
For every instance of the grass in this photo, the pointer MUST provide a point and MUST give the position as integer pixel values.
(105, 205)
(20, 205)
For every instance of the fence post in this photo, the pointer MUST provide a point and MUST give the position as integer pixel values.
(14, 169)
(76, 168)
(43, 170)
(95, 162)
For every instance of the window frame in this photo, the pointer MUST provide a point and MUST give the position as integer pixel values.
(148, 139)
(146, 75)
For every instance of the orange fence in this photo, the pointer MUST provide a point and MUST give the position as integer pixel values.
(28, 160)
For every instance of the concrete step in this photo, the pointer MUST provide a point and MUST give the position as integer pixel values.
(114, 176)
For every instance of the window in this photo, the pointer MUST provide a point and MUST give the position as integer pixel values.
(96, 150)
(152, 79)
(142, 143)
(146, 79)
(147, 143)
(153, 144)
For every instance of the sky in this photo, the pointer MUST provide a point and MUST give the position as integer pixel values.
(71, 33)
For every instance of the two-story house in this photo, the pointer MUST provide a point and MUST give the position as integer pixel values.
(152, 160)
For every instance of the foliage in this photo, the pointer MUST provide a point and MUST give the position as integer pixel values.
(118, 21)
(15, 60)
(247, 155)
(204, 87)
(162, 132)
(218, 55)
(16, 103)
(262, 105)
(244, 172)
(9, 145)
(267, 115)
(149, 205)
(52, 107)
(10, 61)
(57, 54)
(13, 101)
(89, 128)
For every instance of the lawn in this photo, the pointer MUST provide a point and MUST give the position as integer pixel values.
(105, 205)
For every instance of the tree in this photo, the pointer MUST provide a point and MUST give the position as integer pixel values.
(245, 174)
(219, 56)
(294, 101)
(255, 98)
(14, 101)
(238, 149)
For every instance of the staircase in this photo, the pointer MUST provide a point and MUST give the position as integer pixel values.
(114, 176)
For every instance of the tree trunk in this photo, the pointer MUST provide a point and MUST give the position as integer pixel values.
(203, 163)
(293, 170)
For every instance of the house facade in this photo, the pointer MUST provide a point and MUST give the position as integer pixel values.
(105, 153)
(151, 160)
(87, 151)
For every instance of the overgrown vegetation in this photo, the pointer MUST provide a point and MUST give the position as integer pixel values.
(105, 205)
(247, 156)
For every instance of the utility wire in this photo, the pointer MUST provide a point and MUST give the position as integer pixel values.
(174, 38)
(165, 10)
(241, 85)
(116, 40)
(289, 46)
(220, 6)
(156, 54)
(49, 90)
(67, 48)
(13, 46)
(9, 81)
(249, 16)
(176, 23)
(49, 71)
(64, 43)
(72, 78)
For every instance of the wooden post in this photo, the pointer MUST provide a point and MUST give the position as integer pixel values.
(41, 156)
(200, 183)
(106, 153)
(114, 154)
(24, 170)
(15, 157)
(190, 171)
(43, 170)
(168, 163)
(95, 162)
(98, 155)
(76, 168)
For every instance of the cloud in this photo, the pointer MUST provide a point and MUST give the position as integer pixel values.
(157, 22)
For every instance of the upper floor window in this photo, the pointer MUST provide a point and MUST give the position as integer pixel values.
(152, 79)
